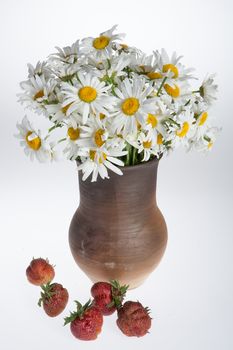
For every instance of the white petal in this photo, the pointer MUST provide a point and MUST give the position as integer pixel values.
(87, 172)
(95, 174)
(86, 109)
(103, 171)
(115, 161)
(113, 167)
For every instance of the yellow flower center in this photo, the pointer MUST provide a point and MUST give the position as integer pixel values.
(159, 139)
(124, 46)
(172, 68)
(35, 143)
(210, 144)
(104, 155)
(98, 137)
(147, 144)
(138, 125)
(92, 154)
(183, 131)
(203, 118)
(142, 67)
(102, 116)
(87, 94)
(130, 106)
(73, 133)
(101, 42)
(152, 119)
(65, 108)
(39, 94)
(172, 91)
(154, 75)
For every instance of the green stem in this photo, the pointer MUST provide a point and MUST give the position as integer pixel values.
(134, 158)
(207, 138)
(57, 125)
(196, 92)
(161, 86)
(128, 156)
(52, 128)
(109, 63)
(61, 140)
(113, 90)
(173, 121)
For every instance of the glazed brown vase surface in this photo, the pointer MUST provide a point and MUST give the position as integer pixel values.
(118, 232)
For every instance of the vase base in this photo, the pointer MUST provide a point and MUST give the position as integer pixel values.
(132, 284)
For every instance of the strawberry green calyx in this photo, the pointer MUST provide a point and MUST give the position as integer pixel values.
(147, 309)
(78, 313)
(118, 293)
(47, 292)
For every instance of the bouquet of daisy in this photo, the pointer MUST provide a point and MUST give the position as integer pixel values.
(110, 105)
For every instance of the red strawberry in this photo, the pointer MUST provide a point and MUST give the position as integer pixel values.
(86, 322)
(108, 296)
(40, 272)
(133, 319)
(54, 298)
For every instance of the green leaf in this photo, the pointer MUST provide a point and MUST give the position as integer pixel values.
(71, 318)
(160, 88)
(78, 313)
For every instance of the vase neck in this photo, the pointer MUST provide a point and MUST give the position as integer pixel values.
(136, 188)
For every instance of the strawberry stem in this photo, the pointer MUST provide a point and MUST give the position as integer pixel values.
(118, 293)
(78, 313)
(46, 293)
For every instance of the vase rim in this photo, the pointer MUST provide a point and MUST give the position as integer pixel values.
(140, 165)
(131, 167)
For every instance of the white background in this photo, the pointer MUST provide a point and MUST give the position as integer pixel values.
(190, 294)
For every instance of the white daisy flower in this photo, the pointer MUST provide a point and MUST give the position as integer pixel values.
(96, 162)
(202, 119)
(37, 92)
(41, 68)
(71, 150)
(203, 122)
(149, 146)
(124, 48)
(132, 105)
(208, 89)
(89, 95)
(66, 72)
(95, 67)
(34, 145)
(205, 143)
(170, 67)
(177, 90)
(58, 112)
(67, 54)
(101, 119)
(109, 70)
(142, 63)
(116, 67)
(94, 136)
(73, 137)
(101, 46)
(154, 122)
(183, 127)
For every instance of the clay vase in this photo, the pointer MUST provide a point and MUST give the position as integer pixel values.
(118, 232)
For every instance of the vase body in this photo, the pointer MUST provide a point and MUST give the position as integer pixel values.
(118, 232)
